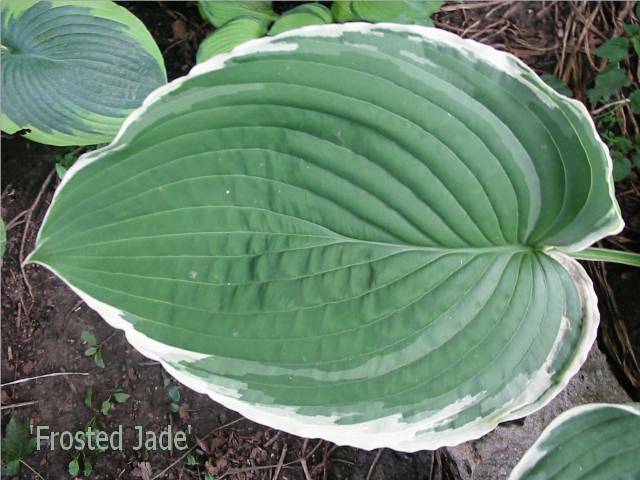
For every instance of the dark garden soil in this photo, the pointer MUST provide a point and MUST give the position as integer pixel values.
(42, 320)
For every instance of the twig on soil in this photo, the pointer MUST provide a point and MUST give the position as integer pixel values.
(342, 460)
(623, 348)
(271, 440)
(18, 405)
(583, 34)
(374, 463)
(280, 462)
(313, 450)
(184, 455)
(74, 308)
(15, 221)
(624, 13)
(58, 374)
(303, 461)
(305, 469)
(148, 364)
(44, 186)
(6, 191)
(232, 471)
(601, 109)
(325, 461)
(468, 6)
(33, 470)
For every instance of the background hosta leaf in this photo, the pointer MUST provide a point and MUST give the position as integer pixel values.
(596, 441)
(220, 12)
(342, 11)
(349, 232)
(229, 36)
(398, 11)
(73, 70)
(302, 16)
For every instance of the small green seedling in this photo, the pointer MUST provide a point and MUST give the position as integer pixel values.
(17, 444)
(64, 162)
(80, 460)
(174, 394)
(94, 349)
(93, 425)
(106, 407)
(557, 84)
(624, 153)
(88, 397)
(118, 397)
(195, 458)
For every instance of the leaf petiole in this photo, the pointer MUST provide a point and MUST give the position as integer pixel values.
(608, 255)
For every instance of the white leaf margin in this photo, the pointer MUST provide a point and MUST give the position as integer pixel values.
(391, 431)
(536, 451)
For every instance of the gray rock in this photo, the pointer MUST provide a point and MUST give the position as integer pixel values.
(493, 456)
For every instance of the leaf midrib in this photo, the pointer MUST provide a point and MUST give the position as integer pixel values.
(506, 249)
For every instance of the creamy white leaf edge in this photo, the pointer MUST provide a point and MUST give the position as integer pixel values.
(537, 451)
(390, 431)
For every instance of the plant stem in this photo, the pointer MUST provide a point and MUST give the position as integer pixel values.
(607, 255)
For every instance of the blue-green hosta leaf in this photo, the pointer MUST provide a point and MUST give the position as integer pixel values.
(229, 36)
(219, 12)
(302, 16)
(73, 70)
(351, 232)
(596, 441)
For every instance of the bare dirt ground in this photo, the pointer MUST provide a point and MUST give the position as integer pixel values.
(42, 320)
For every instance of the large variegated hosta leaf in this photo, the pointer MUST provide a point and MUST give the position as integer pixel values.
(72, 70)
(350, 232)
(596, 442)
